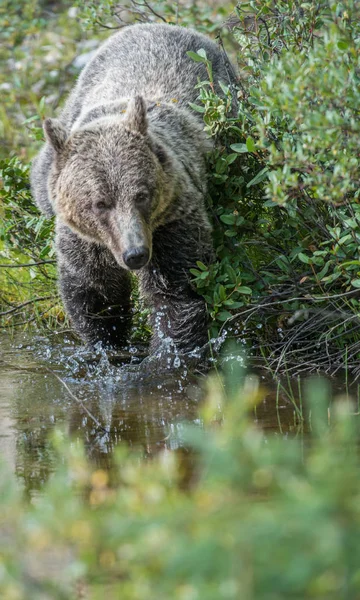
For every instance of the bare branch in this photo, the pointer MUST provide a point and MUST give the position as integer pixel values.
(34, 264)
(79, 402)
(20, 306)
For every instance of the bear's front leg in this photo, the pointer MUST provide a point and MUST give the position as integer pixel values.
(178, 312)
(179, 320)
(95, 290)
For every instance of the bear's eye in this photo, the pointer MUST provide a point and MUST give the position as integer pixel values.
(101, 205)
(141, 199)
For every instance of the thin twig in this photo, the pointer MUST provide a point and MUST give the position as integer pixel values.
(150, 8)
(307, 298)
(35, 264)
(79, 402)
(19, 306)
(106, 26)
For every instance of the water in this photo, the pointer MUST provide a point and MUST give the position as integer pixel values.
(103, 399)
(53, 383)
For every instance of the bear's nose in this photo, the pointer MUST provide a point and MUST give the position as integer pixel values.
(137, 257)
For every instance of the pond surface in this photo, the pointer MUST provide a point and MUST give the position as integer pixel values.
(104, 399)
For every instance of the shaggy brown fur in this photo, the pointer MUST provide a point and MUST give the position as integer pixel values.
(123, 169)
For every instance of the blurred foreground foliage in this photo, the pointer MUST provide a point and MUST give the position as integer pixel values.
(251, 516)
(284, 183)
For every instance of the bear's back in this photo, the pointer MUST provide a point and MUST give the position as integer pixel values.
(150, 60)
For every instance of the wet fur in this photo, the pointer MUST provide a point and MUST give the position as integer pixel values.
(128, 125)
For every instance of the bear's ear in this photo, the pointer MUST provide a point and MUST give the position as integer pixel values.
(55, 134)
(135, 116)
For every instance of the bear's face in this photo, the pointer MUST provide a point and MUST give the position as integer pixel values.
(108, 184)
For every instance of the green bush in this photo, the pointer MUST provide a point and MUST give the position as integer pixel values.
(27, 272)
(22, 227)
(284, 185)
(247, 515)
(206, 17)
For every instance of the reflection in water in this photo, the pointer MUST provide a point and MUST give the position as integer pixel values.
(7, 423)
(100, 399)
(107, 404)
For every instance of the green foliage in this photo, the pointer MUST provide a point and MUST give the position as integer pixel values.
(308, 100)
(22, 227)
(39, 42)
(285, 179)
(206, 17)
(19, 19)
(249, 516)
(26, 238)
(222, 283)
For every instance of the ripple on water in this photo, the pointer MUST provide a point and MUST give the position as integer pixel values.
(105, 398)
(102, 398)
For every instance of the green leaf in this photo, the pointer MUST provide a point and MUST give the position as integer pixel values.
(231, 158)
(231, 303)
(345, 238)
(196, 107)
(224, 315)
(230, 272)
(236, 129)
(201, 52)
(270, 203)
(332, 277)
(224, 88)
(228, 219)
(283, 263)
(244, 290)
(240, 220)
(239, 148)
(201, 265)
(324, 270)
(196, 56)
(355, 283)
(259, 177)
(222, 293)
(350, 262)
(250, 144)
(304, 258)
(42, 104)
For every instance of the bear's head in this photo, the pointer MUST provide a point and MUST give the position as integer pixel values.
(109, 183)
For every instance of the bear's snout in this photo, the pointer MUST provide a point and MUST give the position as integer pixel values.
(136, 257)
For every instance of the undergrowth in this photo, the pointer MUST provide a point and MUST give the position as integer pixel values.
(284, 186)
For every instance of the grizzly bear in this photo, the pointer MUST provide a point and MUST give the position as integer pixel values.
(123, 169)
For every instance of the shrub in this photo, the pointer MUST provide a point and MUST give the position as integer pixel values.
(26, 248)
(206, 17)
(286, 210)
